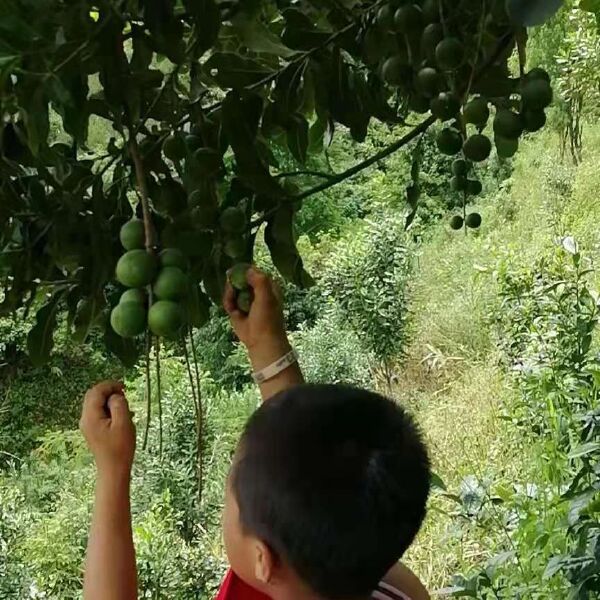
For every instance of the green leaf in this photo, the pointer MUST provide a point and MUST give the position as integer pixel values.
(207, 21)
(197, 307)
(592, 6)
(88, 311)
(15, 30)
(289, 90)
(240, 122)
(126, 350)
(34, 109)
(7, 63)
(40, 339)
(316, 136)
(234, 71)
(256, 37)
(495, 82)
(531, 13)
(437, 483)
(166, 30)
(141, 57)
(69, 98)
(584, 450)
(280, 239)
(300, 32)
(297, 137)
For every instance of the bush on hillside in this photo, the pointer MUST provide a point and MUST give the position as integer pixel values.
(368, 278)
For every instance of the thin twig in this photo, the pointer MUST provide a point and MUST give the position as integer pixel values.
(148, 393)
(143, 188)
(200, 424)
(159, 398)
(305, 55)
(479, 43)
(351, 172)
(198, 413)
(307, 173)
(403, 141)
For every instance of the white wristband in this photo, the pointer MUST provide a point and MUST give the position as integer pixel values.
(273, 370)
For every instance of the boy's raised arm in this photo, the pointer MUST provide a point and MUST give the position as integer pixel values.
(262, 331)
(110, 571)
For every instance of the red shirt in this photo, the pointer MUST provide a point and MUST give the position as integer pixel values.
(234, 588)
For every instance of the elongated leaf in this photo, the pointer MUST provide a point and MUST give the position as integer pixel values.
(585, 450)
(555, 564)
(87, 313)
(40, 339)
(128, 351)
(234, 71)
(240, 122)
(531, 13)
(300, 32)
(592, 6)
(280, 239)
(437, 483)
(207, 20)
(34, 108)
(197, 307)
(297, 138)
(256, 37)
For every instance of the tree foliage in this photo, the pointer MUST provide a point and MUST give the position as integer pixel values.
(201, 97)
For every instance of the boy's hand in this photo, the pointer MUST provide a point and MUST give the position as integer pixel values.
(107, 427)
(262, 331)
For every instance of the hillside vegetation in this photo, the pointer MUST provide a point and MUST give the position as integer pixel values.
(487, 336)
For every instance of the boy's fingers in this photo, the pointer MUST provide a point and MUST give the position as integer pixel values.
(95, 398)
(230, 305)
(229, 298)
(262, 285)
(258, 280)
(277, 291)
(119, 409)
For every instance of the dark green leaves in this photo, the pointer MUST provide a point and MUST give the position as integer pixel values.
(69, 98)
(297, 137)
(165, 28)
(34, 109)
(280, 239)
(41, 337)
(240, 121)
(207, 22)
(300, 32)
(530, 13)
(126, 350)
(234, 71)
(258, 38)
(86, 316)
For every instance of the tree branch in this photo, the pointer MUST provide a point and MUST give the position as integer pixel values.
(301, 57)
(307, 173)
(143, 188)
(352, 171)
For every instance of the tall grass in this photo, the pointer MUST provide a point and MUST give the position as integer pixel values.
(451, 378)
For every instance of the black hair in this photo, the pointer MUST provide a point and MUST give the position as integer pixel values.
(335, 481)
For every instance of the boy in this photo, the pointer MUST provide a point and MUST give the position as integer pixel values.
(327, 491)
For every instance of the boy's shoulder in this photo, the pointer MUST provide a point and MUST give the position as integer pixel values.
(403, 579)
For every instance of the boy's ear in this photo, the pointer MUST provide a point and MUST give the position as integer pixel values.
(264, 562)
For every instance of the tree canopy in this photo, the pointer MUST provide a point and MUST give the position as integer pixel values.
(202, 99)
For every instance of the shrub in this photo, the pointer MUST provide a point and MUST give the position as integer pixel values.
(367, 277)
(330, 352)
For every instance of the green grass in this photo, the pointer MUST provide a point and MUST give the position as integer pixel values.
(451, 378)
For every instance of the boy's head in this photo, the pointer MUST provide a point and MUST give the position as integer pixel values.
(327, 491)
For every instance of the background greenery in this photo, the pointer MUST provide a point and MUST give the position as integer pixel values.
(489, 338)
